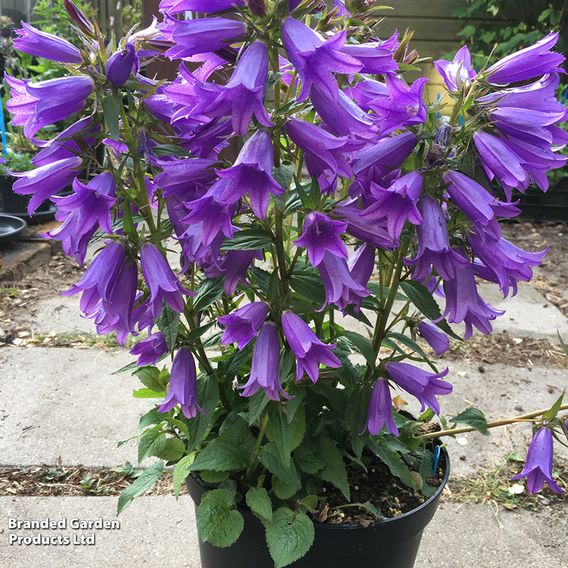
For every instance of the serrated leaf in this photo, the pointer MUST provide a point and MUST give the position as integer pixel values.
(394, 462)
(214, 477)
(150, 443)
(218, 522)
(334, 471)
(270, 459)
(472, 417)
(181, 471)
(363, 345)
(307, 459)
(289, 536)
(171, 450)
(111, 111)
(286, 435)
(285, 489)
(248, 239)
(259, 503)
(207, 293)
(168, 324)
(309, 285)
(150, 377)
(142, 484)
(552, 412)
(257, 404)
(208, 395)
(219, 455)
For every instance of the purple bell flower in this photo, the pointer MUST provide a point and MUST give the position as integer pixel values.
(233, 267)
(41, 44)
(477, 203)
(464, 304)
(380, 409)
(315, 59)
(182, 388)
(242, 325)
(369, 231)
(308, 350)
(324, 153)
(185, 178)
(150, 350)
(83, 212)
(434, 248)
(121, 64)
(45, 181)
(396, 204)
(252, 174)
(527, 63)
(457, 73)
(204, 35)
(341, 288)
(376, 57)
(243, 96)
(265, 369)
(162, 282)
(321, 235)
(422, 385)
(208, 6)
(434, 336)
(538, 465)
(79, 17)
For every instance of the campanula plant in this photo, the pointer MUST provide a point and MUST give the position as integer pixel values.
(288, 183)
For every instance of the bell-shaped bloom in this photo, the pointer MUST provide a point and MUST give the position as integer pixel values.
(341, 288)
(213, 215)
(324, 154)
(308, 350)
(185, 178)
(434, 250)
(35, 105)
(380, 409)
(203, 35)
(434, 336)
(161, 280)
(527, 63)
(538, 465)
(242, 97)
(108, 290)
(500, 162)
(458, 73)
(396, 204)
(121, 64)
(150, 350)
(464, 304)
(477, 203)
(376, 57)
(315, 59)
(251, 174)
(44, 182)
(83, 212)
(422, 385)
(182, 388)
(79, 17)
(265, 368)
(233, 267)
(370, 232)
(321, 235)
(41, 44)
(507, 263)
(242, 325)
(208, 6)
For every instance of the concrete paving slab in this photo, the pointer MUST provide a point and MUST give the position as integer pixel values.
(159, 532)
(60, 314)
(65, 403)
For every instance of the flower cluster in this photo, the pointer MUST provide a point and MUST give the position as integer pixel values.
(294, 173)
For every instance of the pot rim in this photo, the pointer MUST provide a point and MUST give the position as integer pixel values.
(379, 522)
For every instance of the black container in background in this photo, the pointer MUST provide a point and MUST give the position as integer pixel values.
(391, 543)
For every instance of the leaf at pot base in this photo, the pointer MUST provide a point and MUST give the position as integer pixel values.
(218, 522)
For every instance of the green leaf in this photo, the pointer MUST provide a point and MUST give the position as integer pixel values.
(168, 324)
(142, 484)
(214, 477)
(248, 239)
(412, 345)
(334, 471)
(426, 472)
(283, 175)
(257, 404)
(147, 393)
(218, 522)
(181, 471)
(172, 450)
(553, 411)
(472, 417)
(363, 345)
(309, 285)
(150, 377)
(286, 435)
(207, 293)
(151, 417)
(285, 489)
(269, 457)
(259, 503)
(111, 111)
(393, 461)
(151, 442)
(220, 455)
(289, 536)
(208, 395)
(307, 459)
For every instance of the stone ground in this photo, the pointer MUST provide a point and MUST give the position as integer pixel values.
(63, 405)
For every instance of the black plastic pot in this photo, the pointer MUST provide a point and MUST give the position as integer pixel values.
(17, 205)
(391, 543)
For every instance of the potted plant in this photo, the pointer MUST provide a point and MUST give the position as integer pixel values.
(350, 201)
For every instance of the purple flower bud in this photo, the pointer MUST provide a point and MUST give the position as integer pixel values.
(241, 326)
(459, 73)
(150, 350)
(527, 63)
(380, 409)
(320, 235)
(41, 44)
(265, 369)
(209, 6)
(434, 336)
(421, 384)
(162, 282)
(308, 350)
(233, 267)
(258, 7)
(538, 465)
(121, 64)
(79, 17)
(182, 388)
(45, 181)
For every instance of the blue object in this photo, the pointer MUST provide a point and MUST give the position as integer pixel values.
(3, 128)
(437, 452)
